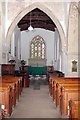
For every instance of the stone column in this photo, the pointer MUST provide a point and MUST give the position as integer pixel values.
(19, 46)
(73, 41)
(64, 62)
(55, 50)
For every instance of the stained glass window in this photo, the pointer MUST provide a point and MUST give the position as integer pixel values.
(37, 47)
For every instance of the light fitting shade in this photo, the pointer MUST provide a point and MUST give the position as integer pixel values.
(30, 28)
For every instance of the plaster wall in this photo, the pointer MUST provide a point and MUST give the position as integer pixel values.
(26, 38)
(58, 10)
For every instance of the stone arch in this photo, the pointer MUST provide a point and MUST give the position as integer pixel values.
(46, 10)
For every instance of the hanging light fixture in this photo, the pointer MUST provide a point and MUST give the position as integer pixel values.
(30, 28)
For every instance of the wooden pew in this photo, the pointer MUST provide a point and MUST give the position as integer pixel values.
(55, 74)
(58, 89)
(6, 99)
(74, 109)
(51, 80)
(17, 81)
(17, 87)
(68, 93)
(12, 85)
(53, 88)
(26, 80)
(56, 84)
(61, 80)
(59, 84)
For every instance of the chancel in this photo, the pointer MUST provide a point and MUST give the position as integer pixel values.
(39, 59)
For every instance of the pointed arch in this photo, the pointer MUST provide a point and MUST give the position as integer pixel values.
(46, 10)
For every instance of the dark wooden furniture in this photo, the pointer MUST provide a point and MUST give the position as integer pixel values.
(50, 69)
(8, 69)
(26, 80)
(24, 68)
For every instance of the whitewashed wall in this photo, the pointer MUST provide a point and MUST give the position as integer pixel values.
(48, 36)
(18, 6)
(61, 11)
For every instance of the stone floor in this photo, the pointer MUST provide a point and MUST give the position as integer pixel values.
(36, 103)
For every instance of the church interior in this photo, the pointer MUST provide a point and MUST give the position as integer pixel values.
(40, 59)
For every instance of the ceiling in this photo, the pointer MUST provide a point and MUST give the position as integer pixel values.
(38, 20)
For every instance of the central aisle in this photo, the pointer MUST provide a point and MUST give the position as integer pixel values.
(35, 104)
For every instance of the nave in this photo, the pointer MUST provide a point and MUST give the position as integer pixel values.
(36, 103)
(38, 40)
(55, 97)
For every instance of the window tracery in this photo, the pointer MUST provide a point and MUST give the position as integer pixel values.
(37, 48)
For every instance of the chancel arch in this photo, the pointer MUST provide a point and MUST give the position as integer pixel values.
(52, 17)
(28, 9)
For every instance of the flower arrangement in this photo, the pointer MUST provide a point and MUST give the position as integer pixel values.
(23, 62)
